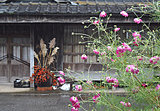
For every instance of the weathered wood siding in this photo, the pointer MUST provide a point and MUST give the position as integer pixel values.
(14, 47)
(73, 50)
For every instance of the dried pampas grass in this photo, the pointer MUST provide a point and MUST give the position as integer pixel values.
(41, 43)
(54, 51)
(43, 48)
(36, 56)
(50, 60)
(52, 43)
(44, 58)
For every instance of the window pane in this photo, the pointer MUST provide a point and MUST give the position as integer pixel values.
(3, 50)
(25, 53)
(16, 51)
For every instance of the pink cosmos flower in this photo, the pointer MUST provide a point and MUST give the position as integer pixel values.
(95, 51)
(123, 103)
(74, 109)
(123, 49)
(123, 13)
(135, 43)
(119, 54)
(135, 34)
(96, 22)
(96, 97)
(84, 57)
(127, 47)
(89, 82)
(139, 58)
(73, 100)
(154, 60)
(112, 60)
(62, 73)
(103, 53)
(112, 80)
(78, 87)
(109, 48)
(137, 20)
(108, 79)
(116, 29)
(132, 69)
(116, 83)
(103, 14)
(119, 51)
(144, 85)
(128, 104)
(158, 87)
(61, 80)
(76, 105)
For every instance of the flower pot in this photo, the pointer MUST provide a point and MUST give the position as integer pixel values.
(43, 85)
(47, 83)
(44, 88)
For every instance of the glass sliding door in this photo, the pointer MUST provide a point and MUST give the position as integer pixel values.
(3, 60)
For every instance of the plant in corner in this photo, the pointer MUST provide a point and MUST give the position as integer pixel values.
(42, 76)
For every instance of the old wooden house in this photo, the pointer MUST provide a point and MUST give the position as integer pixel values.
(24, 22)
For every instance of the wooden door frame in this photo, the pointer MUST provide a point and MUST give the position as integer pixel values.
(32, 31)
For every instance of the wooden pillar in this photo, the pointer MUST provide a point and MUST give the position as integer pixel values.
(59, 30)
(9, 58)
(31, 51)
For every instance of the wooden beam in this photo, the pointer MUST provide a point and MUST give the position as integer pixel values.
(59, 30)
(31, 52)
(64, 18)
(9, 58)
(14, 35)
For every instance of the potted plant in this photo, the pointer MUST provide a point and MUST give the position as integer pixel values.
(42, 77)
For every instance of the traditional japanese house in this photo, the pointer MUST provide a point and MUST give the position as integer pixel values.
(24, 22)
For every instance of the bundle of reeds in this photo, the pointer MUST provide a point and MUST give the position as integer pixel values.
(44, 58)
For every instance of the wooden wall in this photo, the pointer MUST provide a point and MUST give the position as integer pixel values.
(73, 49)
(14, 42)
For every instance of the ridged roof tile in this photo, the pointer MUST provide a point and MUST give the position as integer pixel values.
(80, 6)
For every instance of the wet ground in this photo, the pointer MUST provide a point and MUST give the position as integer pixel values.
(36, 101)
(27, 99)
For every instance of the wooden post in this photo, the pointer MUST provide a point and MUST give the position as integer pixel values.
(31, 51)
(60, 37)
(9, 58)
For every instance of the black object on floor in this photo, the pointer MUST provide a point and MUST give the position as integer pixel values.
(21, 83)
